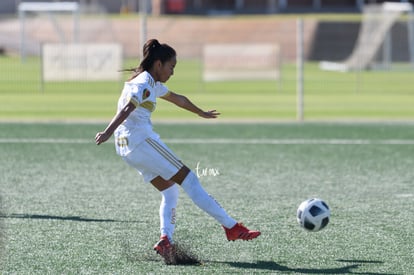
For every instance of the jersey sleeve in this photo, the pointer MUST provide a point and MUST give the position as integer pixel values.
(139, 94)
(161, 90)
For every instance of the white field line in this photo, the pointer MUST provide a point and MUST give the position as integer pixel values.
(290, 141)
(253, 141)
(46, 140)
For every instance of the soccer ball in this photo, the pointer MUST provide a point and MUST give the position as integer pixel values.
(313, 214)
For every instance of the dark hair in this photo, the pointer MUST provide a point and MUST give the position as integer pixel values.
(152, 52)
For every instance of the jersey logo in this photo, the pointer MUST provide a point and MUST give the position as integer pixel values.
(146, 94)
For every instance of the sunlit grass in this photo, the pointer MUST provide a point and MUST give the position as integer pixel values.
(369, 95)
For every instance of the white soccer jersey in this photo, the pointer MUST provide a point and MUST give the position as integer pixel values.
(142, 91)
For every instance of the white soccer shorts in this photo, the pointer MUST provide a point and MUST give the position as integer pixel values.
(153, 158)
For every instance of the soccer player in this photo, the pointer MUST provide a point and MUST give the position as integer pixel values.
(141, 147)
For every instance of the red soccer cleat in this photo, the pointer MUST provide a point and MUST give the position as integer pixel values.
(166, 250)
(240, 232)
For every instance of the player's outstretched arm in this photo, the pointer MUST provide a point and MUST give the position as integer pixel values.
(185, 103)
(103, 136)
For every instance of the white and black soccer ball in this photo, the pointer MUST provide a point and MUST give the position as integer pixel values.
(313, 214)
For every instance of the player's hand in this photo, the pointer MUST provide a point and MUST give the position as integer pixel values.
(209, 114)
(101, 137)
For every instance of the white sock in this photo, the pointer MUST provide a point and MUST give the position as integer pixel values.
(167, 210)
(202, 199)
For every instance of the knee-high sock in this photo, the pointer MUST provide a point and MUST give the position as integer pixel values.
(202, 199)
(167, 210)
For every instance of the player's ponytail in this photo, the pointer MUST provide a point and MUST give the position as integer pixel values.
(153, 51)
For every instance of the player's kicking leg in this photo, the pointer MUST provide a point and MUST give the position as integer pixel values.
(234, 230)
(240, 232)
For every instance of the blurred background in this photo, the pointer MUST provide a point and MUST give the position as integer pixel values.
(302, 59)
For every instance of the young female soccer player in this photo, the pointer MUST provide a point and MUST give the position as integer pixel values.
(141, 147)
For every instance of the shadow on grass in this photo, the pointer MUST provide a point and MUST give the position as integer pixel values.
(61, 218)
(273, 266)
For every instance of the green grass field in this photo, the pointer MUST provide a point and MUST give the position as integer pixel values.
(372, 95)
(71, 207)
